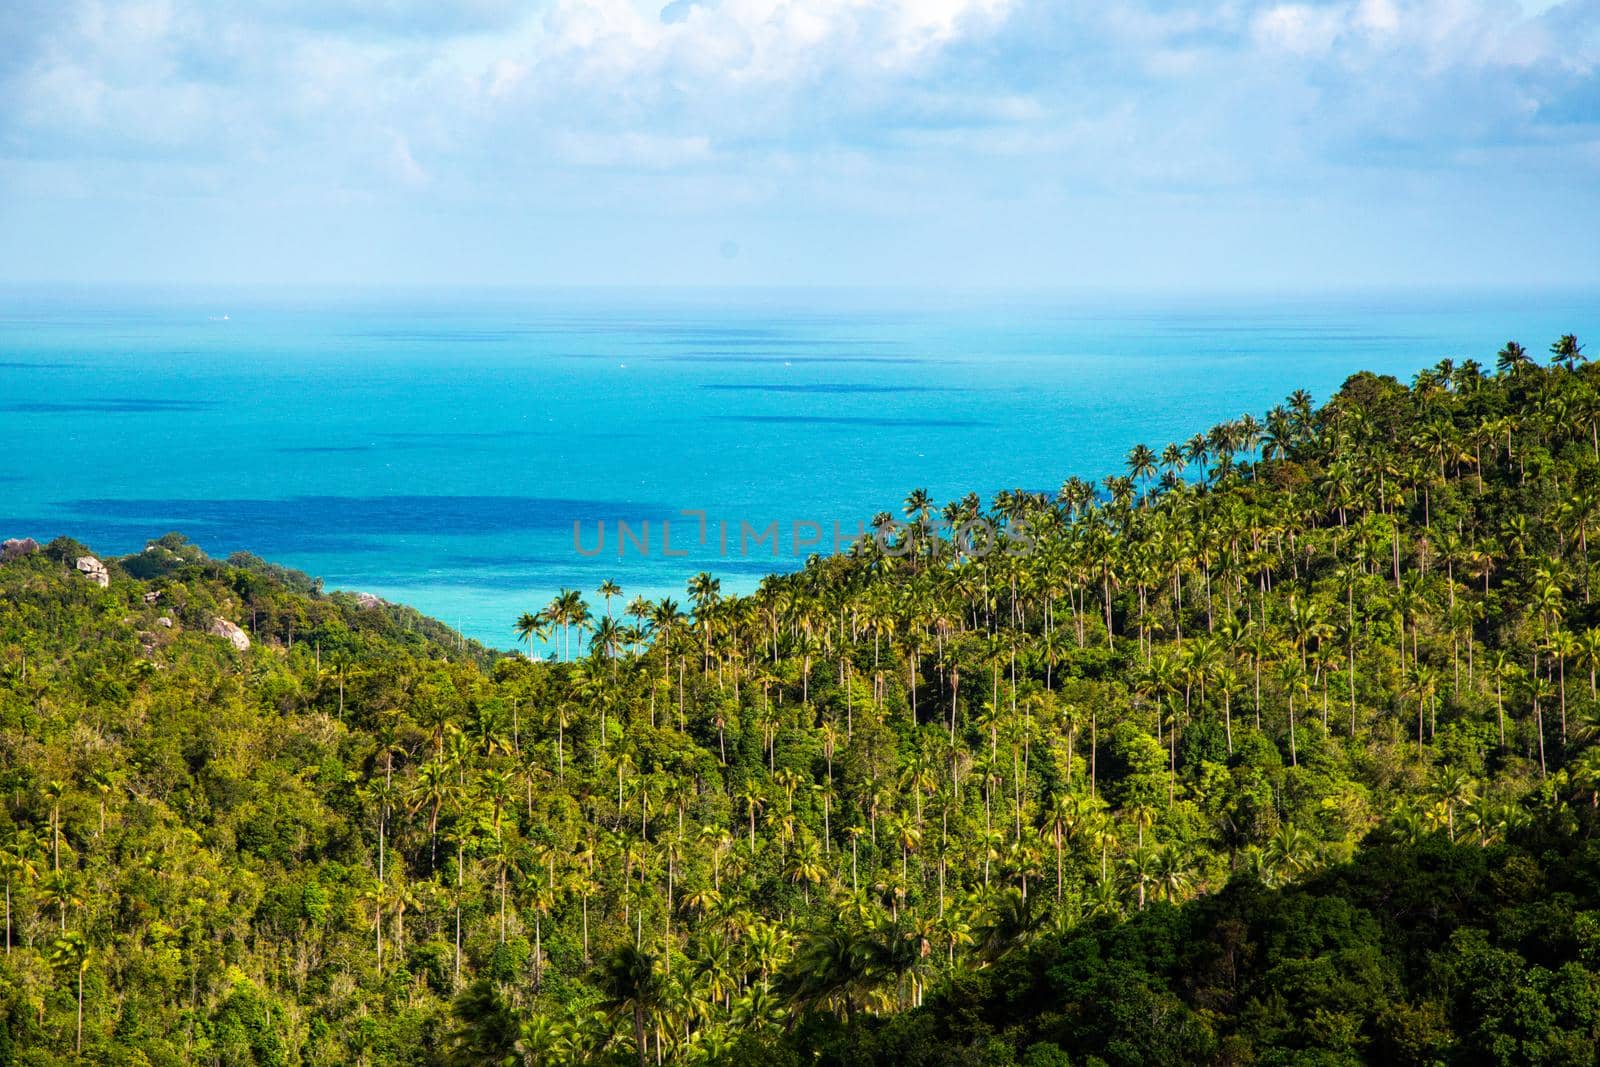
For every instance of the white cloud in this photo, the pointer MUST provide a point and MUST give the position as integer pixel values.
(801, 107)
(760, 41)
(1301, 29)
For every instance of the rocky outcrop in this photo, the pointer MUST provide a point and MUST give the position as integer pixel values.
(94, 570)
(367, 600)
(235, 636)
(165, 623)
(16, 548)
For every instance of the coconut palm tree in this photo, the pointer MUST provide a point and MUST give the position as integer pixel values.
(1141, 464)
(1512, 359)
(532, 626)
(20, 867)
(1566, 352)
(607, 590)
(490, 1032)
(60, 890)
(1139, 867)
(1453, 789)
(71, 952)
(705, 592)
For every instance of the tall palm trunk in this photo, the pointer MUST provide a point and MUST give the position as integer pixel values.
(638, 1035)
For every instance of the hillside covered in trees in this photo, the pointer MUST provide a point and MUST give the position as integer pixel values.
(1278, 746)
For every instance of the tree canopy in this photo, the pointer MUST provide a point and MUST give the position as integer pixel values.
(1278, 745)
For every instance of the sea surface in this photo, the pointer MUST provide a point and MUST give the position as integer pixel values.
(437, 448)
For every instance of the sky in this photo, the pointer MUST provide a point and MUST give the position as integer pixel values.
(962, 143)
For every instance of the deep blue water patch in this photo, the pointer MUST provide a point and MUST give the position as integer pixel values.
(828, 387)
(846, 420)
(127, 405)
(444, 516)
(461, 435)
(120, 537)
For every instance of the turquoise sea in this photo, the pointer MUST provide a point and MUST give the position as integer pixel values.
(437, 448)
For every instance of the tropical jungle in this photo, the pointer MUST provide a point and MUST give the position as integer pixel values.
(1280, 745)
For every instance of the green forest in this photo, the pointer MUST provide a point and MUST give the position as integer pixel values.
(1279, 745)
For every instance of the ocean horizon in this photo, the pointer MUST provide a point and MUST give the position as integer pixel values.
(437, 448)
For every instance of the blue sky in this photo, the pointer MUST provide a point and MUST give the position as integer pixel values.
(1009, 143)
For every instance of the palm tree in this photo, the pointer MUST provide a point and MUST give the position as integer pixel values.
(568, 610)
(706, 593)
(832, 969)
(1140, 867)
(19, 867)
(59, 890)
(1539, 689)
(1296, 683)
(607, 590)
(1585, 775)
(1173, 874)
(630, 984)
(541, 901)
(435, 786)
(72, 951)
(560, 716)
(1173, 460)
(753, 801)
(489, 1031)
(55, 791)
(1562, 645)
(1513, 359)
(607, 640)
(1061, 819)
(806, 868)
(102, 781)
(918, 510)
(381, 897)
(532, 626)
(1291, 851)
(1141, 464)
(1566, 352)
(1454, 789)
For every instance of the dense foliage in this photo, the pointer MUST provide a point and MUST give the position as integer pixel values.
(1420, 952)
(775, 824)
